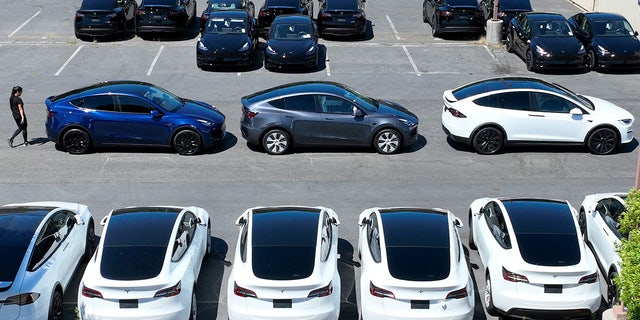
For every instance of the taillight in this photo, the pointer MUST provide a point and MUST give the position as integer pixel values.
(379, 292)
(513, 277)
(79, 16)
(204, 17)
(458, 294)
(90, 293)
(169, 292)
(51, 114)
(139, 12)
(592, 278)
(325, 15)
(248, 113)
(321, 292)
(446, 13)
(243, 292)
(22, 299)
(455, 112)
(263, 13)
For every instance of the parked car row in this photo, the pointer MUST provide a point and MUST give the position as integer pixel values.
(534, 260)
(488, 115)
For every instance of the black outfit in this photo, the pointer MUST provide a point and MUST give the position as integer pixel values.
(14, 101)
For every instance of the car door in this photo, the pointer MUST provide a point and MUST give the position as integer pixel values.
(512, 111)
(603, 231)
(142, 123)
(300, 116)
(521, 34)
(559, 119)
(185, 251)
(102, 120)
(492, 234)
(341, 123)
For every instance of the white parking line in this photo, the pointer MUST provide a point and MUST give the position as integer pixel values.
(24, 24)
(326, 63)
(68, 60)
(413, 64)
(393, 28)
(153, 64)
(492, 55)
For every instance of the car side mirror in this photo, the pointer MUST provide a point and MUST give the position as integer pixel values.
(365, 221)
(241, 221)
(358, 113)
(457, 222)
(155, 113)
(78, 219)
(482, 211)
(575, 112)
(104, 220)
(635, 33)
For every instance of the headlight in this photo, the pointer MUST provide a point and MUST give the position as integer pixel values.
(246, 46)
(603, 51)
(311, 50)
(581, 50)
(270, 50)
(626, 121)
(409, 123)
(542, 52)
(206, 122)
(201, 46)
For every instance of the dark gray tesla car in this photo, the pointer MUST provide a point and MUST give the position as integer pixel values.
(319, 113)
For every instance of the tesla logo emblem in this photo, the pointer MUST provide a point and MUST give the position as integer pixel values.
(555, 276)
(420, 291)
(281, 290)
(127, 291)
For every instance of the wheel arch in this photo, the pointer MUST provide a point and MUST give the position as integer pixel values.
(486, 125)
(375, 132)
(183, 128)
(602, 126)
(278, 127)
(71, 127)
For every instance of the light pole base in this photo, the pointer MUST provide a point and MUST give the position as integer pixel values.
(494, 32)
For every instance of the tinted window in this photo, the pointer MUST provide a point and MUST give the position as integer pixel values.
(104, 103)
(186, 231)
(305, 103)
(54, 232)
(342, 4)
(98, 5)
(612, 28)
(134, 105)
(517, 100)
(227, 26)
(283, 244)
(554, 28)
(135, 244)
(545, 231)
(227, 4)
(331, 104)
(551, 103)
(160, 2)
(462, 2)
(285, 3)
(417, 245)
(15, 234)
(611, 211)
(515, 5)
(279, 103)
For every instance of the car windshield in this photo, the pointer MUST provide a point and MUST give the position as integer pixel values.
(472, 3)
(136, 243)
(16, 232)
(611, 28)
(545, 231)
(283, 3)
(369, 104)
(160, 2)
(226, 26)
(290, 31)
(342, 5)
(164, 98)
(417, 245)
(284, 244)
(226, 4)
(98, 5)
(578, 97)
(515, 5)
(551, 28)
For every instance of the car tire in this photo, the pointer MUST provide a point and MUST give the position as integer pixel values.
(613, 296)
(207, 252)
(508, 43)
(488, 297)
(488, 140)
(591, 60)
(76, 141)
(472, 245)
(55, 306)
(434, 31)
(530, 61)
(276, 142)
(424, 15)
(193, 312)
(89, 245)
(187, 142)
(602, 141)
(387, 141)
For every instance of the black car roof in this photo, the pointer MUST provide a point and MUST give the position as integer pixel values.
(603, 16)
(141, 226)
(515, 4)
(135, 87)
(495, 84)
(285, 226)
(292, 18)
(282, 3)
(297, 87)
(545, 16)
(242, 14)
(18, 224)
(98, 5)
(415, 227)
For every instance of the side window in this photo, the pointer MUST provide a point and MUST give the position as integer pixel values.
(491, 101)
(526, 27)
(330, 104)
(133, 105)
(516, 100)
(326, 239)
(610, 211)
(551, 103)
(186, 231)
(104, 103)
(243, 243)
(373, 238)
(55, 230)
(306, 103)
(496, 223)
(279, 103)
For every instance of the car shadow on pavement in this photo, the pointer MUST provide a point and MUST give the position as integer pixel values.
(368, 35)
(346, 269)
(626, 148)
(209, 283)
(478, 309)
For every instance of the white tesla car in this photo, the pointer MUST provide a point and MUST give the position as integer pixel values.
(535, 262)
(492, 113)
(41, 245)
(599, 221)
(285, 265)
(413, 265)
(146, 265)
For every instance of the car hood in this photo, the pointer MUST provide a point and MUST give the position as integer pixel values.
(224, 42)
(388, 107)
(608, 109)
(557, 45)
(619, 44)
(291, 47)
(201, 109)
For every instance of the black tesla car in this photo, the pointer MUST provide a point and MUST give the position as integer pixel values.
(453, 16)
(318, 113)
(342, 18)
(100, 18)
(229, 38)
(544, 41)
(272, 8)
(224, 5)
(292, 42)
(609, 39)
(507, 9)
(173, 16)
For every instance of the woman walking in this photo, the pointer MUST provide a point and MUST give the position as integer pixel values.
(17, 109)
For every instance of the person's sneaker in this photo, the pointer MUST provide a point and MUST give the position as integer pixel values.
(26, 143)
(10, 142)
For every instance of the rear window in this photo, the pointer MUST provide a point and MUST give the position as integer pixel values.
(135, 244)
(342, 4)
(473, 3)
(545, 232)
(160, 2)
(417, 245)
(283, 3)
(16, 231)
(98, 5)
(284, 244)
(515, 5)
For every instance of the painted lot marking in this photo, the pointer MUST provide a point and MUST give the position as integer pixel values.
(24, 24)
(68, 60)
(393, 28)
(413, 64)
(155, 60)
